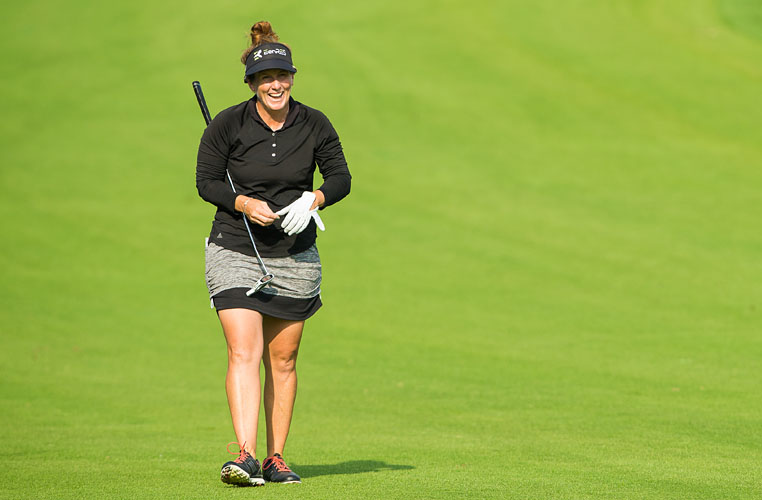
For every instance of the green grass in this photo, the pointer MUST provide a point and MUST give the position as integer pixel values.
(545, 283)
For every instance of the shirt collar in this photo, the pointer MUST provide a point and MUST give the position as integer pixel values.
(293, 111)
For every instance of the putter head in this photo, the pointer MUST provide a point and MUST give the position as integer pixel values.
(260, 284)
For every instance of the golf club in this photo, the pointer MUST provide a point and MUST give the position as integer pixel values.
(268, 276)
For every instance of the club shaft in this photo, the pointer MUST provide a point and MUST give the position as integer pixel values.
(207, 119)
(202, 102)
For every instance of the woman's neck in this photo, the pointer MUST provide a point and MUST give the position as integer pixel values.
(273, 118)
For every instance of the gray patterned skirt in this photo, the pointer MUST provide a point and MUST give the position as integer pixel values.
(293, 293)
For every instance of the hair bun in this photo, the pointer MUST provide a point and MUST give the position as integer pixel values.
(262, 32)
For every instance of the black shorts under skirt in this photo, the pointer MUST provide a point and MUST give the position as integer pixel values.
(270, 305)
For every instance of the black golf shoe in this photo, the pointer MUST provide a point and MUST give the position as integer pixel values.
(275, 470)
(243, 471)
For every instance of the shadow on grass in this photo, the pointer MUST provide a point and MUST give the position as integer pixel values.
(351, 467)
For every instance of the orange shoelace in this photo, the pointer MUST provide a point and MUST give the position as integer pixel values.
(280, 465)
(242, 454)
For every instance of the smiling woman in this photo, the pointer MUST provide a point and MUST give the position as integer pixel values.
(273, 89)
(255, 164)
(269, 73)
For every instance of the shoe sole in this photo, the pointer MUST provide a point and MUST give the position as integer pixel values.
(231, 474)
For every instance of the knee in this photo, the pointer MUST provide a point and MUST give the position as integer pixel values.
(241, 356)
(284, 362)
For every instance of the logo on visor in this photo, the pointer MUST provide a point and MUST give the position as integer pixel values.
(258, 54)
(280, 52)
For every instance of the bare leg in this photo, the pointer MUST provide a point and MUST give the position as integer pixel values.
(281, 348)
(243, 333)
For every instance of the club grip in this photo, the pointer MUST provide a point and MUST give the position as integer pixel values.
(201, 102)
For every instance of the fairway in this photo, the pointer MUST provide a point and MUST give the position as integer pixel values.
(545, 283)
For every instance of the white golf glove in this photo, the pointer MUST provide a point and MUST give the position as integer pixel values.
(298, 215)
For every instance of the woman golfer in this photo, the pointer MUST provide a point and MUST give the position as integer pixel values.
(255, 164)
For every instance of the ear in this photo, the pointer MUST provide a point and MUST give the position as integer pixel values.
(252, 84)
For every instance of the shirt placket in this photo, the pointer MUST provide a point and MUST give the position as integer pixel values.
(274, 153)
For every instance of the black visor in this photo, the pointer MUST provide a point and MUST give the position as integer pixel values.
(269, 56)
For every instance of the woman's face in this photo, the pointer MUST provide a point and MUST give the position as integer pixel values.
(273, 88)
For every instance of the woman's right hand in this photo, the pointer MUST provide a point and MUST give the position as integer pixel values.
(257, 211)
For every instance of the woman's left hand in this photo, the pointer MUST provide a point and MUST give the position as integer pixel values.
(299, 213)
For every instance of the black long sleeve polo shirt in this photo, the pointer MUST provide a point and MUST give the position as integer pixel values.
(273, 166)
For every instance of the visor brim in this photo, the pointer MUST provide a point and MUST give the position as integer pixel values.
(270, 64)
